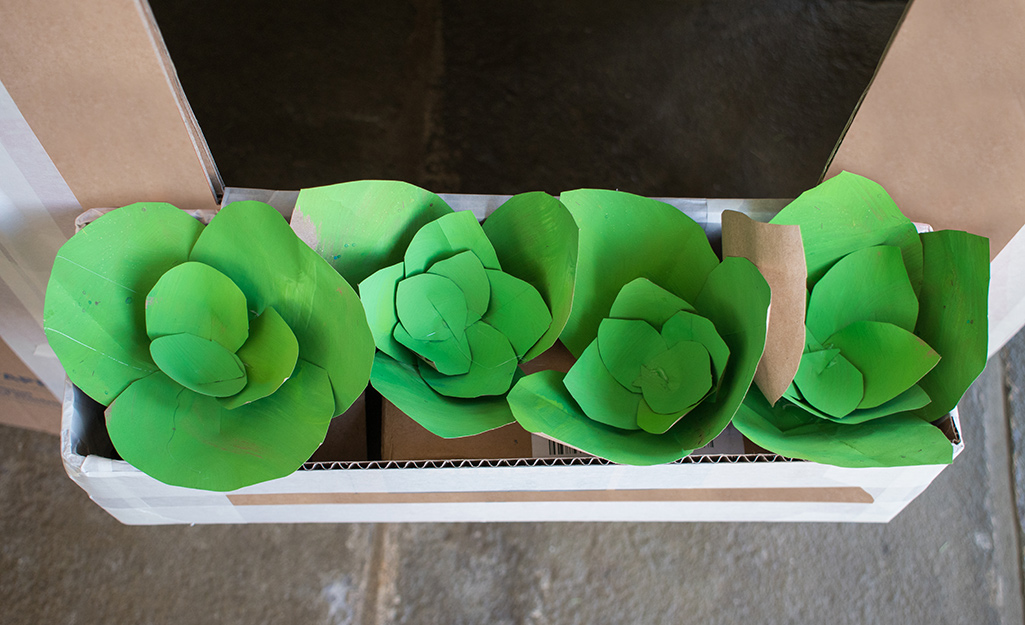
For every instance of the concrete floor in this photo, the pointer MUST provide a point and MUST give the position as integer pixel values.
(740, 98)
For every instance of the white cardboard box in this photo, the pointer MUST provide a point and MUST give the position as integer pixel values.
(709, 487)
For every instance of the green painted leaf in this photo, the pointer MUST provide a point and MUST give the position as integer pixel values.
(491, 371)
(895, 440)
(445, 237)
(890, 358)
(94, 315)
(684, 326)
(199, 364)
(598, 394)
(321, 309)
(447, 417)
(952, 317)
(625, 346)
(830, 383)
(187, 439)
(450, 357)
(431, 308)
(517, 311)
(658, 423)
(735, 299)
(536, 240)
(675, 380)
(867, 285)
(377, 293)
(910, 399)
(542, 405)
(643, 300)
(624, 237)
(468, 274)
(269, 357)
(193, 298)
(847, 213)
(363, 226)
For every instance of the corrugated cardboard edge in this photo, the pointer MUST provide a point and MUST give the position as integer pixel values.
(778, 252)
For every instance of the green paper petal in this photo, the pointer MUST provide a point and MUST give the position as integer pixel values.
(542, 405)
(830, 383)
(891, 358)
(466, 271)
(445, 237)
(910, 399)
(847, 213)
(536, 240)
(447, 417)
(675, 380)
(193, 298)
(624, 237)
(625, 346)
(450, 357)
(94, 315)
(269, 357)
(360, 227)
(377, 293)
(187, 439)
(491, 371)
(895, 440)
(736, 300)
(953, 318)
(199, 364)
(643, 300)
(867, 285)
(517, 311)
(598, 394)
(431, 308)
(320, 308)
(658, 423)
(684, 326)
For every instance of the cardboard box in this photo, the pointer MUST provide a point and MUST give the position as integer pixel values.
(748, 486)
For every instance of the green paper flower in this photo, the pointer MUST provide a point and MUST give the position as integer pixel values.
(222, 351)
(667, 337)
(895, 333)
(465, 305)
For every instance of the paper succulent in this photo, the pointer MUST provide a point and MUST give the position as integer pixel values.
(223, 351)
(667, 336)
(454, 307)
(895, 333)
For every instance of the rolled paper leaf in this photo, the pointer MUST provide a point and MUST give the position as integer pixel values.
(598, 394)
(360, 227)
(894, 440)
(626, 346)
(830, 382)
(199, 300)
(848, 213)
(318, 304)
(430, 307)
(188, 439)
(676, 380)
(492, 366)
(199, 364)
(467, 272)
(269, 355)
(867, 285)
(537, 241)
(94, 315)
(684, 326)
(624, 237)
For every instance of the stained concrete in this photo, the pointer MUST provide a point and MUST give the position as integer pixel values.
(738, 98)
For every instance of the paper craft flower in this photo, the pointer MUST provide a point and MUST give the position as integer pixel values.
(465, 305)
(222, 351)
(667, 337)
(895, 333)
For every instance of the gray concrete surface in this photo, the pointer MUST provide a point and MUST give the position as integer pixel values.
(739, 98)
